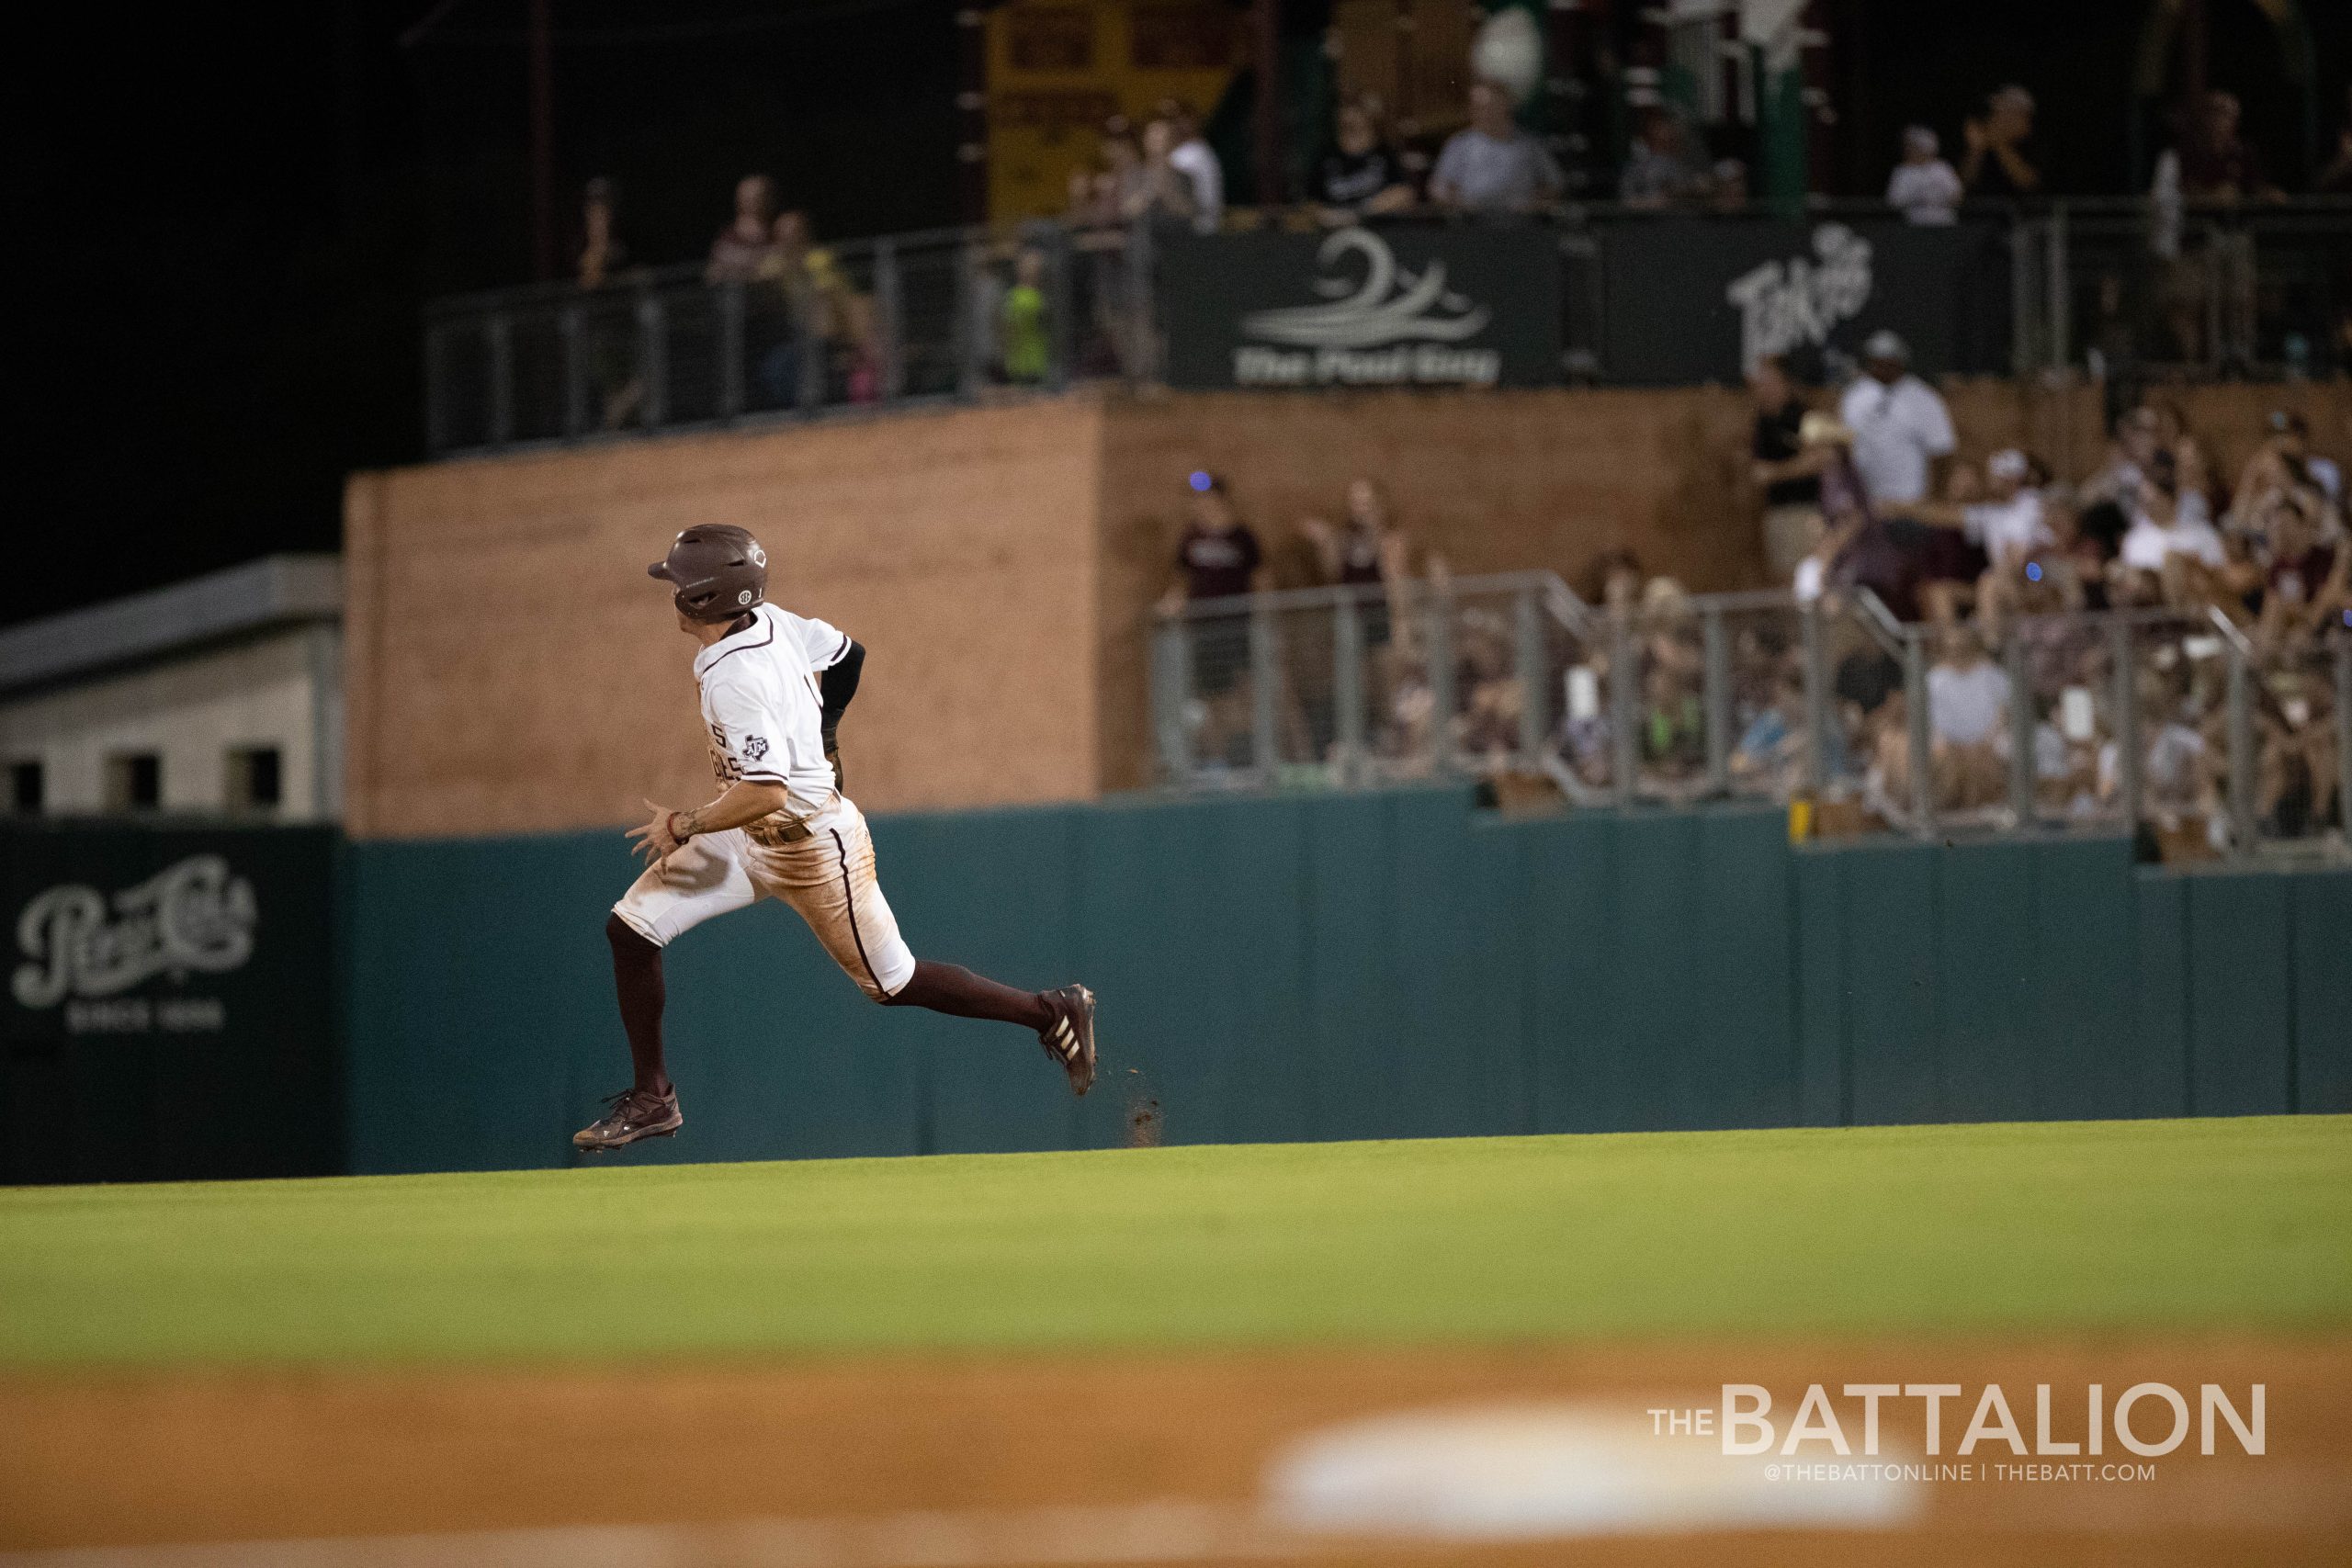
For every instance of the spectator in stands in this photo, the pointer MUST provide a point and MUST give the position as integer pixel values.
(1728, 186)
(1190, 155)
(2177, 551)
(1968, 702)
(1998, 528)
(1023, 330)
(2305, 585)
(1857, 548)
(1100, 195)
(1362, 176)
(2335, 179)
(1789, 474)
(1162, 191)
(1903, 432)
(1924, 188)
(611, 331)
(2285, 460)
(781, 317)
(2217, 163)
(1217, 556)
(1658, 170)
(1994, 165)
(741, 249)
(2138, 442)
(1491, 165)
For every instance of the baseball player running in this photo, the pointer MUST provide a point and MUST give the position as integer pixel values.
(773, 688)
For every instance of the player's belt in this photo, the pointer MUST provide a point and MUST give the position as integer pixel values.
(775, 829)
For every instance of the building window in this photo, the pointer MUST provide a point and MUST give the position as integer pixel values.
(28, 788)
(134, 781)
(254, 776)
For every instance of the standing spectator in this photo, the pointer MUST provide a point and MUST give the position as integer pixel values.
(1657, 169)
(2217, 164)
(1025, 331)
(781, 320)
(742, 247)
(1217, 558)
(1491, 165)
(1903, 432)
(1995, 166)
(1857, 549)
(1789, 474)
(1924, 188)
(1191, 156)
(611, 329)
(1968, 702)
(1361, 176)
(1161, 189)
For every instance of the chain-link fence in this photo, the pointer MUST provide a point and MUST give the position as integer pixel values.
(2171, 724)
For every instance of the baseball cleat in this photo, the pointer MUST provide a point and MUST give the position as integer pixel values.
(634, 1114)
(1070, 1038)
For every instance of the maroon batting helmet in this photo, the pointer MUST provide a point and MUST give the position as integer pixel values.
(719, 571)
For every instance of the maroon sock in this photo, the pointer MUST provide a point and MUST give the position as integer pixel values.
(637, 976)
(952, 988)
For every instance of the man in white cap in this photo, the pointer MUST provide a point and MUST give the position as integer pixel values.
(1902, 430)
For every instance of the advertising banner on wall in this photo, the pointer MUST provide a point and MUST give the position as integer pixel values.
(1413, 306)
(1684, 301)
(170, 1004)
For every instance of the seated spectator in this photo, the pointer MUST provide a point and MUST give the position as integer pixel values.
(1616, 580)
(1657, 171)
(1995, 166)
(1024, 330)
(741, 249)
(1728, 186)
(1789, 474)
(2162, 536)
(1190, 155)
(2285, 460)
(2138, 442)
(1492, 165)
(1924, 188)
(1361, 176)
(1999, 527)
(1903, 430)
(2304, 585)
(1968, 704)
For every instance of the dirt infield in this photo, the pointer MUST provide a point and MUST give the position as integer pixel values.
(1132, 1458)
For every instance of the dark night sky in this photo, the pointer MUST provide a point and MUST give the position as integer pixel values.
(236, 213)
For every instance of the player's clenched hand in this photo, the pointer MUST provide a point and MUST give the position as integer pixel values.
(654, 841)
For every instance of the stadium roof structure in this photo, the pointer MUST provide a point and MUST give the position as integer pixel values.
(275, 590)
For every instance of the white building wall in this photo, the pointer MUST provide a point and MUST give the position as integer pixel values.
(281, 688)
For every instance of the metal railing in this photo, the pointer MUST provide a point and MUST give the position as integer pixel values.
(2110, 286)
(2120, 721)
(901, 319)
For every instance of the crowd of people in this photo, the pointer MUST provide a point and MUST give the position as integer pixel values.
(1997, 567)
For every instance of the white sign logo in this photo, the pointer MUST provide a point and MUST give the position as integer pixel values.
(1785, 303)
(192, 917)
(1386, 327)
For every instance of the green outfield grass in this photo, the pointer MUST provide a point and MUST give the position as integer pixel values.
(2242, 1223)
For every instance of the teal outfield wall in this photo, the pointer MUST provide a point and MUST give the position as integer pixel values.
(1369, 966)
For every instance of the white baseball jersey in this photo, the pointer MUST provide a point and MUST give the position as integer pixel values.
(763, 708)
(764, 713)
